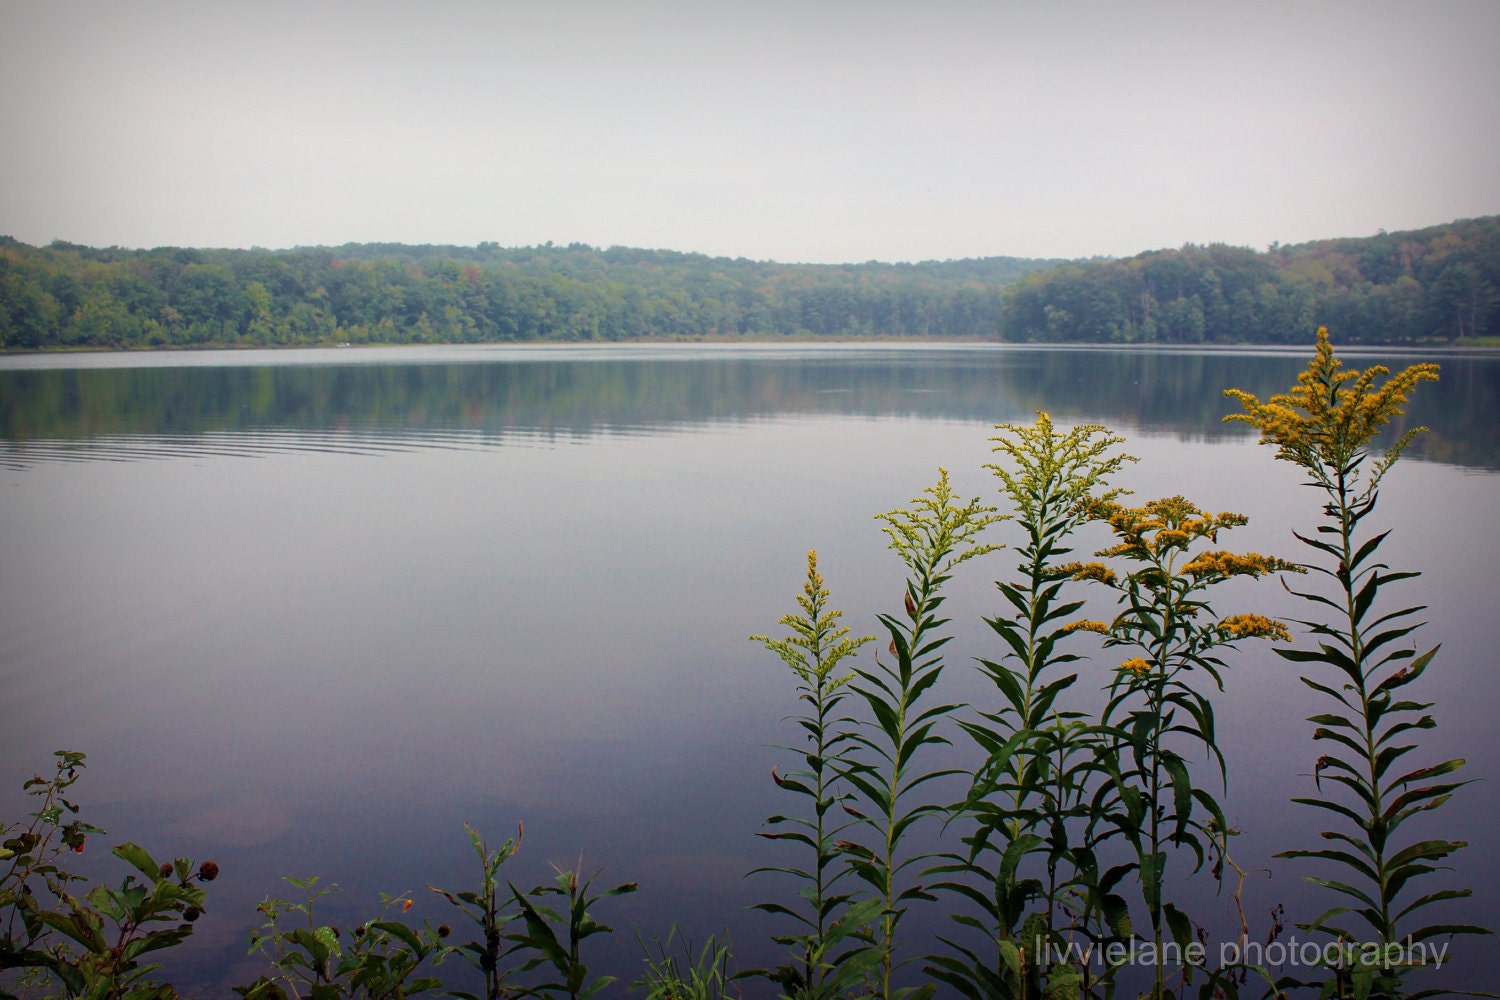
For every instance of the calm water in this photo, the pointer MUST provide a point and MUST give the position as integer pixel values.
(309, 612)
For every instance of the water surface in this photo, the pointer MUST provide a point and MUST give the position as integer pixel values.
(309, 612)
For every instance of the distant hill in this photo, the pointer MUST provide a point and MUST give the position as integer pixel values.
(1437, 283)
(66, 295)
(1440, 283)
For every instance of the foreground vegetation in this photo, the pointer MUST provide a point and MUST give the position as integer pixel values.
(1440, 283)
(1078, 831)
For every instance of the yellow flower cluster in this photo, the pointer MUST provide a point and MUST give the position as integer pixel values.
(1047, 474)
(1086, 625)
(936, 532)
(1137, 666)
(1255, 627)
(1325, 422)
(1091, 571)
(818, 642)
(1160, 526)
(1227, 564)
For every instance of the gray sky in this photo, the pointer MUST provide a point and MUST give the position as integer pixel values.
(794, 131)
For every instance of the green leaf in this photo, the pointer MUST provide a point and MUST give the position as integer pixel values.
(1179, 924)
(1116, 915)
(401, 932)
(1182, 790)
(1365, 550)
(1343, 857)
(1152, 867)
(82, 926)
(139, 859)
(1345, 888)
(1425, 850)
(1438, 930)
(1434, 897)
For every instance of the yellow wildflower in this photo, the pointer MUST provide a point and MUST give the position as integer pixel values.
(1096, 571)
(1255, 627)
(1170, 538)
(1051, 475)
(1326, 421)
(1137, 666)
(1086, 625)
(1227, 564)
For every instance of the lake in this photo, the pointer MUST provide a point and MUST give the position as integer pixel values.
(309, 612)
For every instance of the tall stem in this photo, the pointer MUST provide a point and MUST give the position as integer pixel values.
(1357, 653)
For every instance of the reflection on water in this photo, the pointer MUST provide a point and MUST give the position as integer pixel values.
(492, 397)
(346, 607)
(132, 447)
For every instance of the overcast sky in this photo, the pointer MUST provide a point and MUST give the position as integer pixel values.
(799, 131)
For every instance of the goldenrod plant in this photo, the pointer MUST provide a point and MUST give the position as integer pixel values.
(1159, 718)
(823, 966)
(1364, 664)
(1031, 794)
(933, 536)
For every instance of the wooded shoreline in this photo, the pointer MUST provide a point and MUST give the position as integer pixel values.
(1431, 286)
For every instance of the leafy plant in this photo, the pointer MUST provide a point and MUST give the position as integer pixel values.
(486, 910)
(694, 975)
(1039, 756)
(541, 935)
(813, 652)
(378, 960)
(1325, 426)
(1157, 708)
(933, 536)
(88, 944)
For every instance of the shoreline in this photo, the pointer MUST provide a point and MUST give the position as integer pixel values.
(1487, 345)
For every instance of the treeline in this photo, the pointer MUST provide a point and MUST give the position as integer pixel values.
(1440, 283)
(65, 295)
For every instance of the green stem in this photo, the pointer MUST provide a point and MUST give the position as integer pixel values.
(1357, 653)
(893, 785)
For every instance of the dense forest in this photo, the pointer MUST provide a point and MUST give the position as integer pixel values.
(66, 295)
(1439, 283)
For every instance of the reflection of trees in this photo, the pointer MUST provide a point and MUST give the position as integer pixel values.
(1162, 392)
